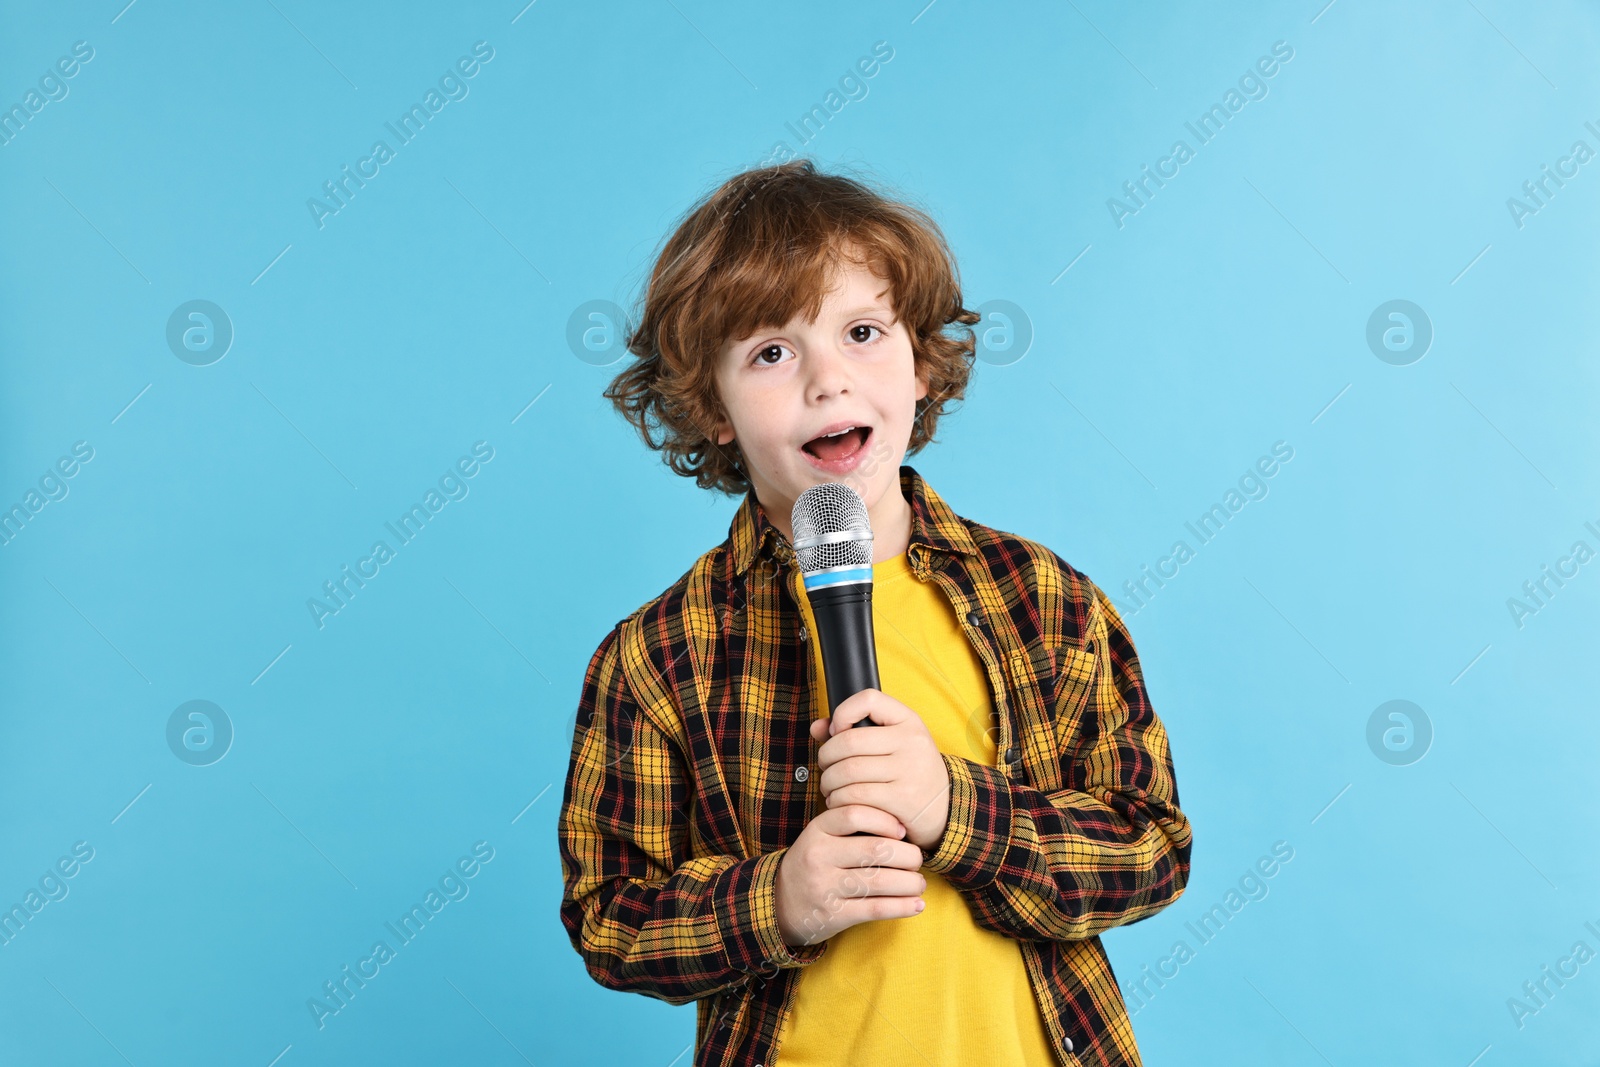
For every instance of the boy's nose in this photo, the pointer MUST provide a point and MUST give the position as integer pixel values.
(829, 373)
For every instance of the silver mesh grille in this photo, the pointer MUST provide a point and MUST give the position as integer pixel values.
(831, 508)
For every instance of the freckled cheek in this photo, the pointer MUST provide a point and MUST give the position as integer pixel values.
(767, 424)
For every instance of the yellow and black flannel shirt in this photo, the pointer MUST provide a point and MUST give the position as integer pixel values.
(692, 770)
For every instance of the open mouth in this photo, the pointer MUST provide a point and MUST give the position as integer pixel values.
(839, 447)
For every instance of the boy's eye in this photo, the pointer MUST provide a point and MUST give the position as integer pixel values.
(770, 355)
(864, 326)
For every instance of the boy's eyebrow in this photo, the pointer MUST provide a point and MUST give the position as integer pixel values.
(881, 308)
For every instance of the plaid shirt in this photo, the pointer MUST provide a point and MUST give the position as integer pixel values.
(692, 770)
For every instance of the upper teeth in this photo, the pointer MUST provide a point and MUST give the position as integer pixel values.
(847, 429)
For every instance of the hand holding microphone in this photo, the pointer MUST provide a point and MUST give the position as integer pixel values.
(896, 767)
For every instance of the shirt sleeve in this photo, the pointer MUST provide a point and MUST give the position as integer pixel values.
(645, 915)
(1111, 849)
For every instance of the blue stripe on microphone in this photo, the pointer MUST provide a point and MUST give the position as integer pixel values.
(839, 576)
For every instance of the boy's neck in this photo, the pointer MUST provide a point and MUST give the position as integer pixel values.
(891, 531)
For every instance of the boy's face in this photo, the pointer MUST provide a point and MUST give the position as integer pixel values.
(785, 391)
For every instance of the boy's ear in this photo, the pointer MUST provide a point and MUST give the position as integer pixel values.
(721, 430)
(922, 381)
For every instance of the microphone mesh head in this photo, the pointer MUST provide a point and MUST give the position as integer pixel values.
(831, 507)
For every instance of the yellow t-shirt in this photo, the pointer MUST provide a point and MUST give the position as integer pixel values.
(933, 988)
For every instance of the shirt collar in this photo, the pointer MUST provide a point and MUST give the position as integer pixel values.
(934, 527)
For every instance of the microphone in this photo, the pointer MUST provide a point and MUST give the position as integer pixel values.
(833, 540)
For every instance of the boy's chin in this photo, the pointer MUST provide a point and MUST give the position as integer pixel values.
(871, 479)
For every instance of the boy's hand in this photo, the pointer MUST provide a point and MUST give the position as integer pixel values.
(894, 765)
(830, 879)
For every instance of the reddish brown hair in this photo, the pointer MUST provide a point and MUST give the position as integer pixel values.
(761, 248)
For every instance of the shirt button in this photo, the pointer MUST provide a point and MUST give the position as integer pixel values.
(974, 619)
(1069, 1045)
(803, 632)
(802, 773)
(1011, 757)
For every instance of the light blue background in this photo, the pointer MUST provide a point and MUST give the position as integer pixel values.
(436, 709)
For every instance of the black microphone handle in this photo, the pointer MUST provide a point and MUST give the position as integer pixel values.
(843, 615)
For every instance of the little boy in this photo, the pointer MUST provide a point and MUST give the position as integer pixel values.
(931, 887)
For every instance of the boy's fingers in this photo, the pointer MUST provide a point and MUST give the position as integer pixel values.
(869, 703)
(852, 709)
(848, 819)
(898, 855)
(866, 882)
(853, 743)
(871, 794)
(884, 907)
(858, 770)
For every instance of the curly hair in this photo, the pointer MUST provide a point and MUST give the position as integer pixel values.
(765, 245)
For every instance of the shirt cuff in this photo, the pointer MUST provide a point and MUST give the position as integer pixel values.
(747, 911)
(978, 829)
